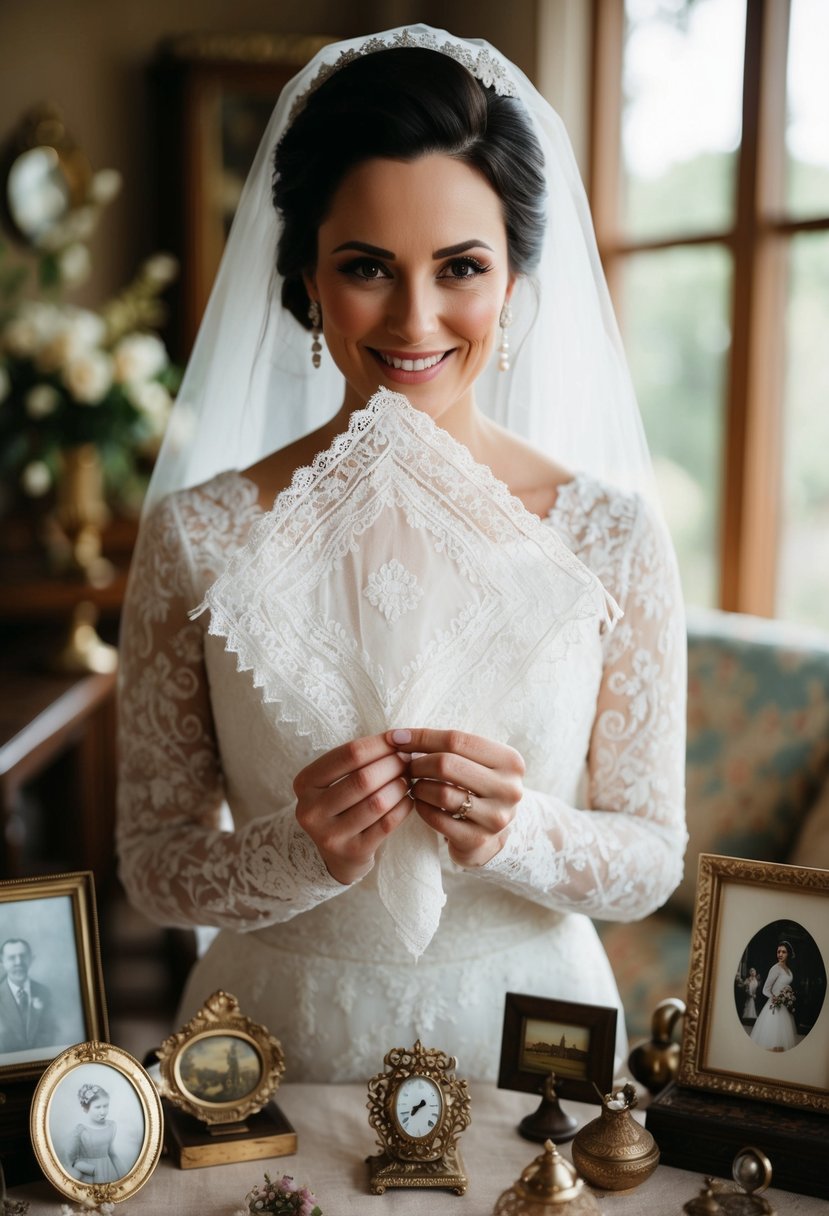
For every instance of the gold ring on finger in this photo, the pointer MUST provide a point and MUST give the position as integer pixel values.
(465, 807)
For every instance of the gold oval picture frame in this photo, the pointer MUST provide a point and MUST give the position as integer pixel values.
(221, 1067)
(96, 1124)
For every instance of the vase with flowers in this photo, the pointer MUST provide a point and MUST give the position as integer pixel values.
(84, 393)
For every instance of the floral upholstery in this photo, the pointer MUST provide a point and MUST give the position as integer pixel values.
(757, 781)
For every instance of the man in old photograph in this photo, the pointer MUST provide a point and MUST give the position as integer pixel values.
(26, 1010)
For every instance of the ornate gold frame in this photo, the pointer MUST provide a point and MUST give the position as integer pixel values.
(58, 1071)
(729, 888)
(80, 887)
(220, 1016)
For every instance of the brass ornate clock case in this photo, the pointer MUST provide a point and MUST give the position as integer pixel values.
(418, 1107)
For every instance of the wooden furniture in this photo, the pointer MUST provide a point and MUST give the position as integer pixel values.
(57, 773)
(213, 97)
(334, 1139)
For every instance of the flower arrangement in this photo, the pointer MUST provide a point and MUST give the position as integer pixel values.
(71, 376)
(784, 999)
(282, 1198)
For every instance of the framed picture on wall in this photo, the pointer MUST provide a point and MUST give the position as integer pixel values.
(213, 94)
(51, 984)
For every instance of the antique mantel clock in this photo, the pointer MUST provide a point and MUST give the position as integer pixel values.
(418, 1107)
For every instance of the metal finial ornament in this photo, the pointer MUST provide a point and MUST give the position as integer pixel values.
(549, 1186)
(505, 320)
(751, 1171)
(315, 317)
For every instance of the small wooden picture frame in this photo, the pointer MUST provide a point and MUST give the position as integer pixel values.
(574, 1041)
(221, 1067)
(96, 1124)
(51, 982)
(757, 1020)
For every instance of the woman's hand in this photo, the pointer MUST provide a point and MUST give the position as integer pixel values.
(467, 788)
(349, 800)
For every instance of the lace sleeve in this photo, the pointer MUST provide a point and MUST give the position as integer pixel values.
(621, 858)
(176, 863)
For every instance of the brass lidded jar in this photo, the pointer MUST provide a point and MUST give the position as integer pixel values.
(614, 1152)
(549, 1186)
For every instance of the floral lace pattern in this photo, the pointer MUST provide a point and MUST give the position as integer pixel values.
(320, 965)
(393, 590)
(504, 594)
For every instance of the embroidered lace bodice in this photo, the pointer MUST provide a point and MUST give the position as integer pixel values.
(600, 829)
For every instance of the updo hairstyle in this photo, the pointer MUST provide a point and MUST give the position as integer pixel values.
(402, 104)
(87, 1094)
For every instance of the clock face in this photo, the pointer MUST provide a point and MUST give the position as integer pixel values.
(418, 1107)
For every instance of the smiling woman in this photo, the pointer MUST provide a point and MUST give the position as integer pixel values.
(444, 750)
(433, 300)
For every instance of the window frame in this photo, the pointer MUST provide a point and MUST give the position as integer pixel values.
(758, 241)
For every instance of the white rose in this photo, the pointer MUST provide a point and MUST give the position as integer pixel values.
(88, 377)
(33, 325)
(41, 401)
(106, 184)
(74, 265)
(5, 383)
(161, 268)
(36, 479)
(79, 332)
(139, 357)
(153, 400)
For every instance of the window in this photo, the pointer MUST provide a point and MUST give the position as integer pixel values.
(709, 181)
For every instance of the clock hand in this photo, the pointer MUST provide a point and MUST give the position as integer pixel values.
(419, 1106)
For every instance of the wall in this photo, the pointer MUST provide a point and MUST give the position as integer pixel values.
(90, 57)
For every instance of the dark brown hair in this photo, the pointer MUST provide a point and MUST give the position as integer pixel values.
(402, 104)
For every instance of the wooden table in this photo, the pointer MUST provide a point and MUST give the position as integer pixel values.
(335, 1138)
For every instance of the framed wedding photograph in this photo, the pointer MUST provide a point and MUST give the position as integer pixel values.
(51, 983)
(96, 1124)
(574, 1041)
(757, 1020)
(221, 1067)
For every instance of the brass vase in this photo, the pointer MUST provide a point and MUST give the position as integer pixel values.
(81, 513)
(614, 1152)
(76, 549)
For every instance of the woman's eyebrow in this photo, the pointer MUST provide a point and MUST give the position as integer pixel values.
(452, 250)
(387, 255)
(362, 247)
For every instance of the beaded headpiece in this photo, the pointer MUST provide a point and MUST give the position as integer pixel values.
(483, 66)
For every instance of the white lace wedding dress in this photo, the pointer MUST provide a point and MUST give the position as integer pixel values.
(318, 962)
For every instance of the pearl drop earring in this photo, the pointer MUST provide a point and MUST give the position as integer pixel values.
(315, 317)
(505, 320)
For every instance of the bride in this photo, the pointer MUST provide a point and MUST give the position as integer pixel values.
(432, 720)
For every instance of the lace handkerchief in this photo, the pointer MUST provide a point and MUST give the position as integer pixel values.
(397, 583)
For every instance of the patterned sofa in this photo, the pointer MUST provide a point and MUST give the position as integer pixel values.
(757, 782)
